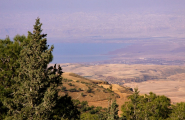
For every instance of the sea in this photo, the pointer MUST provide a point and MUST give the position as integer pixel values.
(84, 52)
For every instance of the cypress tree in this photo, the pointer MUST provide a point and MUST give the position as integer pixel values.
(113, 115)
(35, 91)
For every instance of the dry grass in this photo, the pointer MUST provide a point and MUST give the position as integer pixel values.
(160, 79)
(99, 95)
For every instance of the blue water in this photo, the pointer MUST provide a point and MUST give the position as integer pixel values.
(83, 52)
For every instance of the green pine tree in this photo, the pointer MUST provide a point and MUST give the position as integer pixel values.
(35, 91)
(178, 112)
(131, 109)
(113, 115)
(10, 51)
(147, 107)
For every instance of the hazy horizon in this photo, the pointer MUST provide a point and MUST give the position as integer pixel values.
(83, 21)
(95, 21)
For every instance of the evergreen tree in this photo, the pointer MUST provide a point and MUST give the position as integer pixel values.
(158, 107)
(147, 107)
(178, 112)
(131, 109)
(10, 51)
(65, 109)
(113, 115)
(35, 91)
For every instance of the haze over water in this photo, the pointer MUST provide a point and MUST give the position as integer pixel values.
(84, 52)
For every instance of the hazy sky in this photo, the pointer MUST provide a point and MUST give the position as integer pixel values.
(94, 20)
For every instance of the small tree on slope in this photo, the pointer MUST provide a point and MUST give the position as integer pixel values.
(35, 92)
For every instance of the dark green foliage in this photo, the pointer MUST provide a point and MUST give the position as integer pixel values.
(76, 102)
(73, 90)
(89, 116)
(66, 109)
(178, 111)
(90, 112)
(109, 90)
(64, 80)
(35, 89)
(69, 80)
(131, 109)
(105, 91)
(146, 107)
(90, 95)
(83, 82)
(82, 94)
(70, 84)
(113, 114)
(3, 111)
(89, 90)
(63, 88)
(9, 54)
(79, 89)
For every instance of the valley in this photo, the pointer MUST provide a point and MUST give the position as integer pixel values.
(160, 79)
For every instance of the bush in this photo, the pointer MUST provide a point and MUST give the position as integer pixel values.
(83, 82)
(64, 80)
(63, 88)
(89, 90)
(76, 102)
(109, 90)
(70, 84)
(70, 80)
(93, 111)
(82, 94)
(105, 91)
(80, 89)
(90, 95)
(73, 90)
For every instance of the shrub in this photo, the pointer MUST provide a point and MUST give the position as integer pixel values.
(93, 111)
(89, 90)
(90, 95)
(63, 88)
(70, 84)
(109, 90)
(70, 80)
(80, 89)
(83, 82)
(82, 94)
(64, 80)
(73, 90)
(105, 91)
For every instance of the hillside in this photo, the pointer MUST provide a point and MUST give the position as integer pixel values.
(160, 79)
(96, 92)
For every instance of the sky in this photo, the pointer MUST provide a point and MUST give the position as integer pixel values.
(76, 21)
